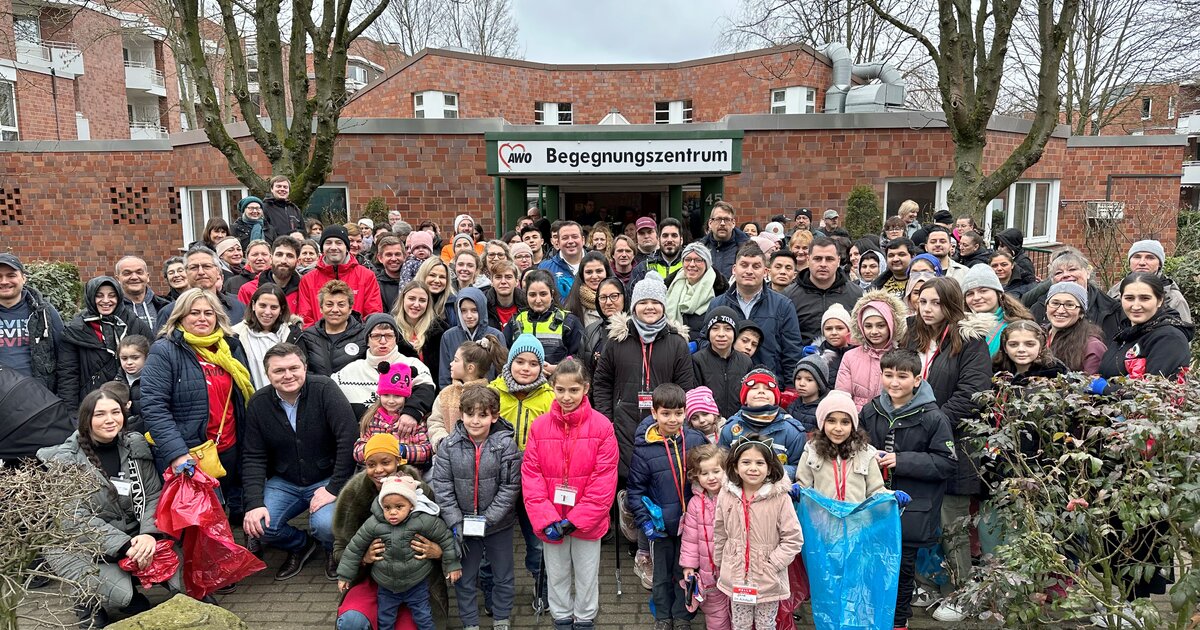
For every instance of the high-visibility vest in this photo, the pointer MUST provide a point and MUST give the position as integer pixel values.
(549, 332)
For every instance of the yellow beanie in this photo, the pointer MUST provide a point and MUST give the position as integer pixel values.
(382, 443)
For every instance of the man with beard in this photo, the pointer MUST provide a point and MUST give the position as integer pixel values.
(389, 253)
(668, 258)
(820, 286)
(285, 254)
(899, 254)
(337, 264)
(723, 238)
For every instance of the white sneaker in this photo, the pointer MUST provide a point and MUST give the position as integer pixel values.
(643, 568)
(923, 598)
(949, 613)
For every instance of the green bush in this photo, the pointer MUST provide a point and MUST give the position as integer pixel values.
(1077, 482)
(59, 282)
(1185, 271)
(863, 215)
(377, 212)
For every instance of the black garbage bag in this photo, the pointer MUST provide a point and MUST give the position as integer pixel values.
(31, 416)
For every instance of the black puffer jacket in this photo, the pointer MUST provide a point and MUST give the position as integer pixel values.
(325, 355)
(955, 379)
(722, 376)
(811, 302)
(1158, 347)
(619, 375)
(280, 218)
(84, 361)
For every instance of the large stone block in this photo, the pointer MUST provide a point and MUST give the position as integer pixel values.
(182, 612)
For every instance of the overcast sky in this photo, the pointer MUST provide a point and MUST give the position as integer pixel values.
(620, 31)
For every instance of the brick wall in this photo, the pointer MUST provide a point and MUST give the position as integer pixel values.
(36, 99)
(101, 90)
(493, 88)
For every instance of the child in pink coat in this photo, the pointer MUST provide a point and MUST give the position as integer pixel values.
(706, 469)
(878, 323)
(569, 481)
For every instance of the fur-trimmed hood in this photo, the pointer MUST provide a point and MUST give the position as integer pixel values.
(977, 325)
(768, 489)
(899, 314)
(620, 326)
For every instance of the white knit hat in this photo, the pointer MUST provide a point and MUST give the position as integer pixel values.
(650, 288)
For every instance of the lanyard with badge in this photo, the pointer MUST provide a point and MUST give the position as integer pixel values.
(746, 592)
(564, 494)
(840, 472)
(475, 525)
(646, 396)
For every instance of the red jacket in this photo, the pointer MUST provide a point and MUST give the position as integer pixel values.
(366, 289)
(579, 448)
(291, 291)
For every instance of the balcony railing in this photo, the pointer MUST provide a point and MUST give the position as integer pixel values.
(1188, 124)
(146, 130)
(1191, 174)
(63, 57)
(142, 76)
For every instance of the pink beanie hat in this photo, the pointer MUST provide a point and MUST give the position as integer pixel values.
(418, 238)
(395, 379)
(700, 400)
(837, 400)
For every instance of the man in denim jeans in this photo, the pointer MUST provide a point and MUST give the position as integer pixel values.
(298, 452)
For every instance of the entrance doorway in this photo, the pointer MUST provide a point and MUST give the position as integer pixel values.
(617, 208)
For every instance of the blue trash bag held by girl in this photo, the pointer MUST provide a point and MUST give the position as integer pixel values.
(852, 551)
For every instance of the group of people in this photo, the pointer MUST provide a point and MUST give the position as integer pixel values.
(423, 398)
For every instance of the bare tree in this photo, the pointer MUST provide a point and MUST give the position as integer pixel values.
(303, 114)
(412, 24)
(38, 518)
(485, 27)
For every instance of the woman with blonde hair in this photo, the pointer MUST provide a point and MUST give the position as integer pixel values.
(435, 274)
(420, 329)
(601, 239)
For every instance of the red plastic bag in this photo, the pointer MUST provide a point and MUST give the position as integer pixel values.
(161, 568)
(798, 584)
(188, 507)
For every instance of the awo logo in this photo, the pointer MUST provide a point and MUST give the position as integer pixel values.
(513, 154)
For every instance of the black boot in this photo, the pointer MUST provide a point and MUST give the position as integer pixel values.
(91, 617)
(139, 604)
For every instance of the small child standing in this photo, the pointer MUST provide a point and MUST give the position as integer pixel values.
(472, 363)
(839, 461)
(132, 352)
(658, 479)
(811, 379)
(568, 481)
(878, 323)
(916, 456)
(401, 512)
(706, 470)
(703, 415)
(476, 479)
(835, 333)
(383, 416)
(761, 414)
(756, 534)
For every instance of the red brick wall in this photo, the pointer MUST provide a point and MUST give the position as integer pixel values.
(101, 89)
(487, 89)
(1129, 116)
(35, 107)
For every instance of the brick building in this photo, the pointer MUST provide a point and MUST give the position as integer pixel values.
(742, 127)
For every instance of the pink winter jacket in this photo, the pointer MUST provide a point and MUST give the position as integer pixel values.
(697, 545)
(775, 540)
(584, 441)
(859, 374)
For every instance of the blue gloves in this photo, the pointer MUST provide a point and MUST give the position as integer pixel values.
(902, 498)
(554, 532)
(186, 468)
(807, 350)
(795, 491)
(693, 347)
(651, 533)
(567, 527)
(1098, 385)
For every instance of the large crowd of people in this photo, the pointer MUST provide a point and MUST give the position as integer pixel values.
(421, 396)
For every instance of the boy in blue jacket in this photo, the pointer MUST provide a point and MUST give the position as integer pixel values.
(658, 476)
(916, 456)
(761, 414)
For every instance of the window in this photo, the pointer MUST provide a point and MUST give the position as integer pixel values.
(924, 192)
(435, 104)
(329, 202)
(1147, 107)
(552, 114)
(672, 112)
(8, 112)
(27, 28)
(1170, 108)
(794, 100)
(1033, 209)
(356, 73)
(201, 204)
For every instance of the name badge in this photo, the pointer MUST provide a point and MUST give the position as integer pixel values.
(745, 594)
(474, 525)
(645, 400)
(124, 488)
(564, 495)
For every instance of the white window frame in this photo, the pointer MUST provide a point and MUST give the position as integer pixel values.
(353, 71)
(35, 30)
(192, 233)
(1170, 108)
(677, 112)
(795, 99)
(1052, 196)
(425, 104)
(1147, 108)
(548, 113)
(15, 128)
(943, 187)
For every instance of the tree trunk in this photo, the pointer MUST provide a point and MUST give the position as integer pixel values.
(965, 197)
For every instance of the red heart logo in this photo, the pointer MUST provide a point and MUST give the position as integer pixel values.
(511, 148)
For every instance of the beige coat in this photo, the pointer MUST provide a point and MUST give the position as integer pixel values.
(863, 480)
(775, 539)
(445, 413)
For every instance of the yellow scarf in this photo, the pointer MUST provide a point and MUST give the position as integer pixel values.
(222, 357)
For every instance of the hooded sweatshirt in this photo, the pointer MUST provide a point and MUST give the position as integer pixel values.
(859, 373)
(87, 355)
(456, 336)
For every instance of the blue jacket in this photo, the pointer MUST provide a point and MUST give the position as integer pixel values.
(787, 432)
(805, 413)
(781, 348)
(562, 274)
(650, 473)
(723, 254)
(175, 397)
(454, 337)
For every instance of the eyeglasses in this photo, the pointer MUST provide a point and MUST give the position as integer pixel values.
(720, 219)
(381, 337)
(495, 255)
(693, 261)
(611, 297)
(519, 256)
(1069, 307)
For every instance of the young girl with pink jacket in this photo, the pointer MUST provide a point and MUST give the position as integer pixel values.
(706, 469)
(569, 481)
(879, 322)
(756, 534)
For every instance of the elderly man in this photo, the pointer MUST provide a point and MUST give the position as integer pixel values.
(723, 238)
(134, 276)
(30, 327)
(297, 453)
(1148, 256)
(202, 271)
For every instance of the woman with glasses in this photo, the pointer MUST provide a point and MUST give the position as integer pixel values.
(360, 379)
(494, 252)
(581, 301)
(610, 298)
(693, 290)
(1073, 339)
(1101, 310)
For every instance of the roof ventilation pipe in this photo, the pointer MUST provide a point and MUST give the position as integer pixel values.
(844, 97)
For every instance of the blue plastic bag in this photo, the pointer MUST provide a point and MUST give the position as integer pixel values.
(852, 551)
(656, 516)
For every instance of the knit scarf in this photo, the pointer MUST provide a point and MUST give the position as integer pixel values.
(587, 297)
(648, 332)
(256, 227)
(516, 388)
(222, 358)
(391, 357)
(686, 298)
(760, 417)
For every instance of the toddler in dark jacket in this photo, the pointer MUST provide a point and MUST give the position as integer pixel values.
(811, 381)
(401, 512)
